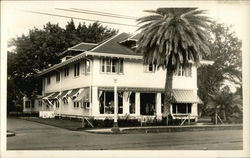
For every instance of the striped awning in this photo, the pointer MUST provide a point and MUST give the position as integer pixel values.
(185, 96)
(64, 94)
(84, 96)
(54, 95)
(47, 95)
(74, 93)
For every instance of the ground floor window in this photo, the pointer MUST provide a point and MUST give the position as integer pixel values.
(77, 104)
(162, 103)
(147, 103)
(57, 104)
(132, 103)
(27, 104)
(40, 103)
(107, 102)
(85, 105)
(120, 102)
(181, 108)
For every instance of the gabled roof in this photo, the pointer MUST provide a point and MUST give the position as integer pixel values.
(135, 37)
(113, 46)
(110, 47)
(80, 47)
(84, 46)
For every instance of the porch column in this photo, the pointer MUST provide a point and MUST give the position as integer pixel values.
(194, 111)
(125, 102)
(158, 105)
(95, 102)
(137, 104)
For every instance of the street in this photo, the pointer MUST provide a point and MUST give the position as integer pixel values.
(35, 136)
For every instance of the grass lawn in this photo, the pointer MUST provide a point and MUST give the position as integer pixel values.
(62, 123)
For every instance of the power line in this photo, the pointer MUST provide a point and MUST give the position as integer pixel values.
(108, 14)
(97, 13)
(63, 16)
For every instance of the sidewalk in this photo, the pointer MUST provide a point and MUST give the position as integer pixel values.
(157, 129)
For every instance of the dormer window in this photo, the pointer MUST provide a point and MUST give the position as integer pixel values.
(65, 58)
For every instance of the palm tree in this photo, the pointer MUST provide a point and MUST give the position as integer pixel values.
(170, 38)
(226, 102)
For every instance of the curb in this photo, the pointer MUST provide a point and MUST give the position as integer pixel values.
(168, 129)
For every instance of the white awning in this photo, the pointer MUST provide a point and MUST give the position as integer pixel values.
(84, 95)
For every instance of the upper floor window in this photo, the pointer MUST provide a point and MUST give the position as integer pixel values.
(86, 66)
(186, 71)
(58, 76)
(48, 79)
(149, 68)
(66, 72)
(111, 65)
(76, 69)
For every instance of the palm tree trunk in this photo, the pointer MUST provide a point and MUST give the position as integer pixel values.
(168, 92)
(224, 114)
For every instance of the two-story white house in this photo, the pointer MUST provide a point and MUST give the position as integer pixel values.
(83, 83)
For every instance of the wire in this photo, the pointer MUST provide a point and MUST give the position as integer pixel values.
(95, 13)
(63, 16)
(108, 14)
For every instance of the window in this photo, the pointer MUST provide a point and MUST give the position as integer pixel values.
(108, 65)
(113, 65)
(77, 104)
(57, 104)
(107, 103)
(58, 76)
(76, 69)
(40, 103)
(87, 105)
(121, 66)
(181, 108)
(48, 79)
(149, 68)
(66, 72)
(86, 66)
(132, 103)
(27, 104)
(187, 71)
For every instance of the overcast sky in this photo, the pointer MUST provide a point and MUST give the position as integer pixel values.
(19, 22)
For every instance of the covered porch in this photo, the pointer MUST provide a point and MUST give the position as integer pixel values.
(142, 103)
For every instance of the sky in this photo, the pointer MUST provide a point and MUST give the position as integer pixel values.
(18, 22)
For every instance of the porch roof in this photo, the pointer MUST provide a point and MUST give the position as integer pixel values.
(134, 89)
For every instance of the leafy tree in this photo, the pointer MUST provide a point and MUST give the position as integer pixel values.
(39, 50)
(170, 38)
(226, 53)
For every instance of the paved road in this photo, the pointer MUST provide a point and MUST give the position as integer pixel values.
(35, 136)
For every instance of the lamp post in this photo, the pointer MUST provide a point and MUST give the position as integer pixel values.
(115, 127)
